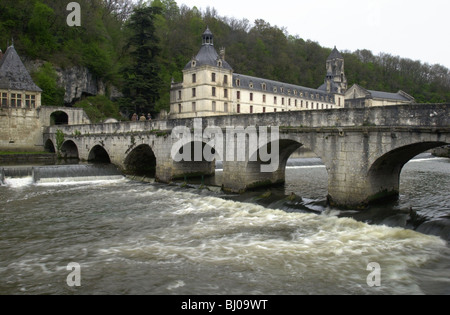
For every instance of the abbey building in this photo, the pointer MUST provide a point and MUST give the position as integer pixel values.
(211, 88)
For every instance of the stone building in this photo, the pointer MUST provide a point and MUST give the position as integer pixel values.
(359, 97)
(17, 89)
(211, 88)
(22, 118)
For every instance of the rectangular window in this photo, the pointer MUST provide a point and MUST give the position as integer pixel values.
(238, 108)
(28, 101)
(282, 101)
(179, 95)
(14, 100)
(213, 106)
(4, 100)
(251, 109)
(238, 95)
(194, 92)
(213, 77)
(225, 93)
(214, 91)
(194, 107)
(225, 79)
(251, 97)
(264, 98)
(274, 110)
(194, 78)
(179, 109)
(264, 109)
(225, 107)
(275, 100)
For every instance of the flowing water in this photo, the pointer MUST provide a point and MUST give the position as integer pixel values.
(131, 237)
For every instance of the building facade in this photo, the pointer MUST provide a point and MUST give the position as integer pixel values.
(17, 89)
(359, 97)
(22, 118)
(211, 88)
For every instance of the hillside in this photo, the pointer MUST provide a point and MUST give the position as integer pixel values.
(102, 45)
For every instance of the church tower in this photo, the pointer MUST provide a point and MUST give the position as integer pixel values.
(335, 80)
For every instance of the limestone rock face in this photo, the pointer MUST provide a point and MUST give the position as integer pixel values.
(77, 81)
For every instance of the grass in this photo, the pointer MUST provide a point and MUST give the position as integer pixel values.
(22, 153)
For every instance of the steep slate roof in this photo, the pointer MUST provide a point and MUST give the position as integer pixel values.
(245, 81)
(14, 75)
(399, 96)
(335, 54)
(208, 54)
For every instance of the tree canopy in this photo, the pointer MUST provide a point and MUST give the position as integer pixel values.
(140, 47)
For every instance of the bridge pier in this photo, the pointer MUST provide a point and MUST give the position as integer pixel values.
(364, 150)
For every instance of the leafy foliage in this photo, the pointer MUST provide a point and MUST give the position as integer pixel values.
(99, 108)
(141, 54)
(46, 79)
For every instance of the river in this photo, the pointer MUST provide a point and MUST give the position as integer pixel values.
(130, 237)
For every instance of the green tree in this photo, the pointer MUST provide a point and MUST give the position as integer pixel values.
(142, 81)
(46, 79)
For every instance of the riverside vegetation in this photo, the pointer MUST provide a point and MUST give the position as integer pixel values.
(140, 47)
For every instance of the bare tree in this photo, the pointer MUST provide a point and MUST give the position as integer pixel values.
(122, 9)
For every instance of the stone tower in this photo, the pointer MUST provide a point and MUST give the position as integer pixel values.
(335, 81)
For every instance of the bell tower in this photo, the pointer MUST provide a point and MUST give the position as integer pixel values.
(336, 82)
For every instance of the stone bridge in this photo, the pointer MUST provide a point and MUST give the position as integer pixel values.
(364, 150)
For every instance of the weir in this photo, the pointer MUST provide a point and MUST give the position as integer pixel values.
(86, 172)
(17, 171)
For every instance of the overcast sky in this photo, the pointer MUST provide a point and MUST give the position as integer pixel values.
(418, 30)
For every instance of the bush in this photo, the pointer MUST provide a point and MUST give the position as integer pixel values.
(46, 78)
(98, 108)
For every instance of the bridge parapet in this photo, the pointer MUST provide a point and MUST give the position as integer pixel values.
(417, 115)
(364, 150)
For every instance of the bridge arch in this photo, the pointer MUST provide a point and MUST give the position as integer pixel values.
(141, 161)
(49, 146)
(69, 150)
(189, 164)
(98, 154)
(59, 118)
(383, 177)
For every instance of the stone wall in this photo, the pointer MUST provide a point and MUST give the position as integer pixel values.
(20, 130)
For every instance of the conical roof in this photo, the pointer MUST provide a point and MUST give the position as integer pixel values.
(14, 75)
(335, 54)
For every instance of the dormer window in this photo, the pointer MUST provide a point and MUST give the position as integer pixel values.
(238, 82)
(264, 86)
(219, 63)
(251, 85)
(193, 63)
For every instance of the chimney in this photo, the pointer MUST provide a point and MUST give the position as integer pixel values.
(222, 53)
